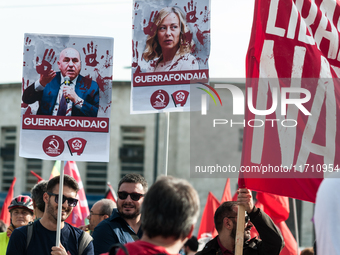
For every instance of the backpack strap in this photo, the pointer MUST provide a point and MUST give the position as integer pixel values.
(84, 240)
(29, 233)
(114, 248)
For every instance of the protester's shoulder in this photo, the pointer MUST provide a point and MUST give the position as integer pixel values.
(209, 248)
(110, 223)
(21, 230)
(142, 248)
(69, 227)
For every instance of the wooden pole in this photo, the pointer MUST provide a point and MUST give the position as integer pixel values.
(241, 213)
(296, 227)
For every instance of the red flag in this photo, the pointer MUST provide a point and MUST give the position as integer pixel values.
(226, 193)
(81, 211)
(5, 216)
(277, 207)
(290, 242)
(110, 194)
(38, 176)
(293, 148)
(207, 227)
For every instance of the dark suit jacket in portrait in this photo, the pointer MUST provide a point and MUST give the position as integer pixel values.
(85, 88)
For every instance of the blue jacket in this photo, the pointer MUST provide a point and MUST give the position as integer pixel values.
(85, 88)
(112, 231)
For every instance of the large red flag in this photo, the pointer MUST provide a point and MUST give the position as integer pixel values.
(277, 207)
(207, 227)
(292, 59)
(5, 216)
(81, 211)
(226, 196)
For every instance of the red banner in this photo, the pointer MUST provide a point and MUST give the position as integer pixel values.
(297, 40)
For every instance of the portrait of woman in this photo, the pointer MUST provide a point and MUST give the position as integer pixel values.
(169, 48)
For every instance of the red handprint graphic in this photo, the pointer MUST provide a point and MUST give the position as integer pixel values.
(24, 86)
(27, 43)
(191, 12)
(136, 8)
(108, 60)
(135, 57)
(91, 55)
(187, 37)
(151, 28)
(49, 59)
(206, 14)
(200, 35)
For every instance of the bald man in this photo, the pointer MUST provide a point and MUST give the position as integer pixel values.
(64, 93)
(100, 211)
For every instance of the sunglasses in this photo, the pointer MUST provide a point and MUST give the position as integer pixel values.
(134, 196)
(247, 218)
(70, 201)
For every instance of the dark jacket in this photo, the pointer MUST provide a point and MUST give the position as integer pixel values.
(271, 242)
(111, 231)
(85, 88)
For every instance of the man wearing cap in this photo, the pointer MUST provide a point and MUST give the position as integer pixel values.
(21, 212)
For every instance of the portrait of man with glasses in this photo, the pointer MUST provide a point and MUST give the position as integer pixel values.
(123, 226)
(43, 236)
(100, 211)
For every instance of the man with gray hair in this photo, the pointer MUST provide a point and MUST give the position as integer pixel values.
(100, 211)
(37, 193)
(123, 225)
(169, 213)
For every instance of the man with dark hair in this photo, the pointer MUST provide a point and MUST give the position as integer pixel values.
(123, 226)
(43, 231)
(225, 219)
(37, 193)
(100, 211)
(169, 213)
(191, 246)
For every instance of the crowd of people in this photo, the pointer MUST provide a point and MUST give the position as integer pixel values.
(155, 220)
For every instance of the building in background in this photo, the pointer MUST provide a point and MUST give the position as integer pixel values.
(135, 147)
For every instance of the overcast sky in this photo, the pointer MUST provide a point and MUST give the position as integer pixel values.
(231, 22)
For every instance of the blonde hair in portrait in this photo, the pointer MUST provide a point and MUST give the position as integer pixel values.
(153, 49)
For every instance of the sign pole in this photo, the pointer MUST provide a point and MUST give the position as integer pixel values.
(240, 230)
(166, 144)
(60, 201)
(296, 226)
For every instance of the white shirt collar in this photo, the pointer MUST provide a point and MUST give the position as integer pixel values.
(72, 81)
